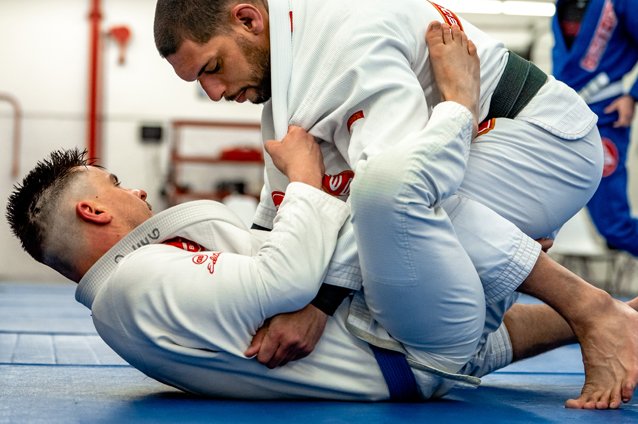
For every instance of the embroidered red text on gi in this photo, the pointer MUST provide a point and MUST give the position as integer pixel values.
(606, 25)
(448, 16)
(202, 259)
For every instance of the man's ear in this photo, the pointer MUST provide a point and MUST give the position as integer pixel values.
(92, 213)
(249, 17)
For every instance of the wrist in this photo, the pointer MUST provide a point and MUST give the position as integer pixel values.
(309, 178)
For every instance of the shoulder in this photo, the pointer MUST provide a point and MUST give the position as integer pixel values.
(149, 259)
(151, 265)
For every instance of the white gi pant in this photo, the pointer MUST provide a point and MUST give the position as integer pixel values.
(413, 233)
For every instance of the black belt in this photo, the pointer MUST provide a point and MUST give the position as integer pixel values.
(519, 83)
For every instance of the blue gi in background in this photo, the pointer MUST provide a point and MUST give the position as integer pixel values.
(596, 46)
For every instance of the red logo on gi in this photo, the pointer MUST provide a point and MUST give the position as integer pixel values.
(212, 260)
(277, 197)
(199, 259)
(611, 157)
(338, 185)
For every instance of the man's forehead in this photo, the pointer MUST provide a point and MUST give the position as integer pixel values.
(88, 168)
(91, 170)
(192, 56)
(182, 62)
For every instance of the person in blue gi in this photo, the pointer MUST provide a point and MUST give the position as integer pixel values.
(596, 46)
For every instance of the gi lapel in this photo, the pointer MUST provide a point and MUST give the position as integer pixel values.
(224, 230)
(280, 14)
(569, 59)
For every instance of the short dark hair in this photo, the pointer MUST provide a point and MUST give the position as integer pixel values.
(196, 20)
(33, 202)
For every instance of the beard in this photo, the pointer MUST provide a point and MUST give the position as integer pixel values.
(259, 58)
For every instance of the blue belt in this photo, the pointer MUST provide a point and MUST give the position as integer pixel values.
(397, 374)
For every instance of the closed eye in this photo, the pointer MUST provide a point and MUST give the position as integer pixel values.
(215, 70)
(116, 182)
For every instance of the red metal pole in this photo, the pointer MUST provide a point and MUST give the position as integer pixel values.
(94, 118)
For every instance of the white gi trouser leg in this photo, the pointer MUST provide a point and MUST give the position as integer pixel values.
(420, 283)
(536, 180)
(525, 173)
(531, 177)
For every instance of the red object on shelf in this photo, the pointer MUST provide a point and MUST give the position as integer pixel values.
(177, 191)
(241, 154)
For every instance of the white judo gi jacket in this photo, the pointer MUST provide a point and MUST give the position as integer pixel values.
(357, 76)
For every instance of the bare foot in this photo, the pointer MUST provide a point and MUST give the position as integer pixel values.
(606, 329)
(455, 64)
(609, 344)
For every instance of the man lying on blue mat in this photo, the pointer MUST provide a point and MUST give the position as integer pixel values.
(180, 294)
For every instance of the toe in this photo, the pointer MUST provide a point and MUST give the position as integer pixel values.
(615, 402)
(457, 34)
(434, 34)
(574, 403)
(447, 34)
(471, 48)
(434, 29)
(627, 391)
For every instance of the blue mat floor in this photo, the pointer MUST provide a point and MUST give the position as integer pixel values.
(55, 369)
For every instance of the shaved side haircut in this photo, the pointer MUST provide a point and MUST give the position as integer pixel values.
(33, 203)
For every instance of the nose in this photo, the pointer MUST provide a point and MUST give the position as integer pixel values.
(213, 87)
(139, 193)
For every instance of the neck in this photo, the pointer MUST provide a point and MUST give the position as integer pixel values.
(97, 243)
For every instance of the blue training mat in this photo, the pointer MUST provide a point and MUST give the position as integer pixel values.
(55, 369)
